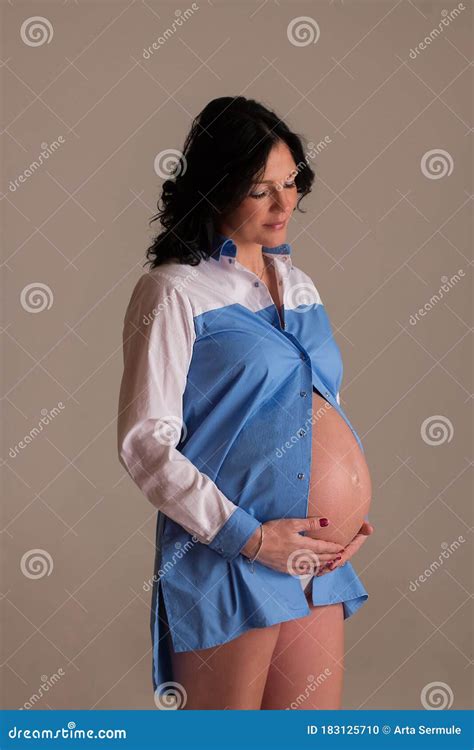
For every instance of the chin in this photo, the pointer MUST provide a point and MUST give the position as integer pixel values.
(274, 236)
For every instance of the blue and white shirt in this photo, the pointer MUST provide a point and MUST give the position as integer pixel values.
(214, 427)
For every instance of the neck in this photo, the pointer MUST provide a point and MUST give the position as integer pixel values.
(249, 254)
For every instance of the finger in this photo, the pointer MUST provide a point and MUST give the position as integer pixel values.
(328, 557)
(329, 567)
(322, 547)
(311, 523)
(355, 545)
(303, 562)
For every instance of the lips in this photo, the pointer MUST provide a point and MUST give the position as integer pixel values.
(276, 224)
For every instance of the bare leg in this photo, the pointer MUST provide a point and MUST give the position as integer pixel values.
(231, 675)
(307, 665)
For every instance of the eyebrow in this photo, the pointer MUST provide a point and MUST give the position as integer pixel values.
(269, 182)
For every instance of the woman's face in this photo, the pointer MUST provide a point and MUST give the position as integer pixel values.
(263, 216)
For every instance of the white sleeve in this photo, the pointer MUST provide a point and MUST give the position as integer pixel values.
(158, 340)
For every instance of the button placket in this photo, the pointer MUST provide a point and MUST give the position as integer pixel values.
(280, 270)
(258, 283)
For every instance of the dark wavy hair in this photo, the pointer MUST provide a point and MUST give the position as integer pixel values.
(224, 154)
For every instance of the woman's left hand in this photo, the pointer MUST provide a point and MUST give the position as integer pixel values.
(365, 530)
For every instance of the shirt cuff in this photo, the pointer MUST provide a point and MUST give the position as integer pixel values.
(234, 534)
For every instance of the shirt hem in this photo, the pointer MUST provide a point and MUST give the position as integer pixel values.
(293, 615)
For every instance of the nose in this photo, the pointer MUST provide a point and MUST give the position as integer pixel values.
(282, 201)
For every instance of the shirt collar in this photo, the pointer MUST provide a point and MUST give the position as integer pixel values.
(224, 246)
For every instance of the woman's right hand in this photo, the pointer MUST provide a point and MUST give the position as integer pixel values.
(285, 550)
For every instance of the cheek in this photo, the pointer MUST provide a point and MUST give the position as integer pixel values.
(293, 199)
(249, 211)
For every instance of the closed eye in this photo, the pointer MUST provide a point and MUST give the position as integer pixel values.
(264, 193)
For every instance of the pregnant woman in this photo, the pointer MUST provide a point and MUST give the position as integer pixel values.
(230, 423)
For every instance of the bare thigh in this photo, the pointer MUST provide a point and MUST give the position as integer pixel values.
(231, 675)
(306, 671)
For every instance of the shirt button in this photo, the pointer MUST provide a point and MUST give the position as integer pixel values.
(326, 393)
(255, 283)
(302, 393)
(302, 356)
(301, 433)
(301, 475)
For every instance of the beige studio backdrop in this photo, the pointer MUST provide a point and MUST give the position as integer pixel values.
(382, 91)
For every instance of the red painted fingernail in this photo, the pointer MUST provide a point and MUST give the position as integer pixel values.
(324, 522)
(339, 558)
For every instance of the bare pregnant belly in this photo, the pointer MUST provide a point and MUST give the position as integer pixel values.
(340, 484)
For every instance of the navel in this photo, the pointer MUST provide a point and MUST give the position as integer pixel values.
(355, 477)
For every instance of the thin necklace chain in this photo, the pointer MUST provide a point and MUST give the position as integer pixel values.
(265, 266)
